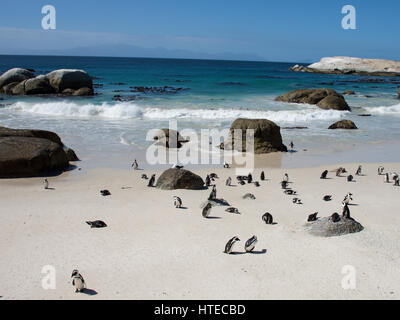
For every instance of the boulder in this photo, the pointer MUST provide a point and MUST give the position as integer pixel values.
(169, 138)
(349, 92)
(27, 157)
(343, 124)
(267, 136)
(85, 91)
(69, 79)
(27, 153)
(8, 89)
(324, 98)
(38, 85)
(398, 93)
(172, 179)
(325, 227)
(15, 75)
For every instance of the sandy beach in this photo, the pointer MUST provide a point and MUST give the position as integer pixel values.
(151, 250)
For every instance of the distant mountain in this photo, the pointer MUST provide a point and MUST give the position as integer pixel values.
(122, 50)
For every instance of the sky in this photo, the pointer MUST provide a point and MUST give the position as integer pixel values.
(279, 30)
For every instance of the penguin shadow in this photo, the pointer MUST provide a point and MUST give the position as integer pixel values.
(71, 167)
(183, 208)
(89, 292)
(353, 204)
(263, 251)
(237, 253)
(214, 218)
(292, 151)
(50, 189)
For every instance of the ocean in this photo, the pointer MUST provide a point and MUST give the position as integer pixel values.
(204, 94)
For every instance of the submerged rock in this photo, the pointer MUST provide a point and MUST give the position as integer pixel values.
(267, 136)
(173, 179)
(326, 227)
(344, 124)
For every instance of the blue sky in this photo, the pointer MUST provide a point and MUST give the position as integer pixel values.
(283, 30)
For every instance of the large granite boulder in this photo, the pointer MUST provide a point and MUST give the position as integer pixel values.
(267, 136)
(28, 153)
(324, 98)
(74, 79)
(344, 124)
(169, 138)
(172, 179)
(325, 227)
(15, 75)
(38, 85)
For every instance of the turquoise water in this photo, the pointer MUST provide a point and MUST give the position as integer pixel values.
(213, 94)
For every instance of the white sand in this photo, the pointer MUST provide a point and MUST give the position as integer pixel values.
(151, 250)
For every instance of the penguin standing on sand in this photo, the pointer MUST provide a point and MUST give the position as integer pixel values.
(387, 179)
(397, 182)
(208, 181)
(249, 178)
(348, 198)
(228, 182)
(229, 245)
(135, 165)
(232, 210)
(46, 183)
(151, 181)
(380, 170)
(359, 170)
(286, 178)
(267, 218)
(312, 217)
(250, 244)
(262, 177)
(207, 210)
(284, 184)
(327, 198)
(350, 178)
(213, 194)
(291, 145)
(346, 210)
(177, 202)
(226, 165)
(324, 174)
(77, 281)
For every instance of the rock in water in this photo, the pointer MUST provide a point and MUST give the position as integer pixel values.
(325, 227)
(344, 124)
(169, 138)
(267, 136)
(73, 79)
(398, 94)
(172, 179)
(324, 98)
(15, 75)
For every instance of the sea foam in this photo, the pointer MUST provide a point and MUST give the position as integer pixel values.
(392, 110)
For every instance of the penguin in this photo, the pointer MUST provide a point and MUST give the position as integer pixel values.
(96, 224)
(380, 170)
(232, 210)
(135, 165)
(144, 177)
(214, 176)
(395, 176)
(229, 245)
(324, 174)
(387, 179)
(213, 194)
(226, 165)
(284, 184)
(177, 202)
(262, 177)
(290, 192)
(297, 201)
(77, 281)
(350, 178)
(286, 178)
(339, 171)
(312, 217)
(250, 244)
(175, 166)
(359, 170)
(291, 145)
(346, 211)
(335, 217)
(249, 178)
(242, 183)
(267, 218)
(397, 182)
(249, 196)
(256, 183)
(151, 181)
(208, 181)
(228, 182)
(46, 184)
(348, 198)
(327, 198)
(207, 210)
(105, 193)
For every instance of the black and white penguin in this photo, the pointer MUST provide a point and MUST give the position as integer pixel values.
(214, 176)
(324, 174)
(144, 177)
(250, 244)
(207, 210)
(46, 184)
(350, 178)
(346, 210)
(229, 245)
(152, 180)
(77, 281)
(213, 194)
(291, 145)
(335, 217)
(348, 198)
(97, 224)
(290, 192)
(267, 218)
(249, 178)
(249, 196)
(387, 178)
(228, 182)
(242, 183)
(380, 170)
(105, 193)
(208, 181)
(397, 182)
(262, 177)
(286, 178)
(312, 217)
(327, 198)
(284, 184)
(297, 201)
(232, 210)
(359, 170)
(226, 165)
(135, 165)
(256, 183)
(177, 202)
